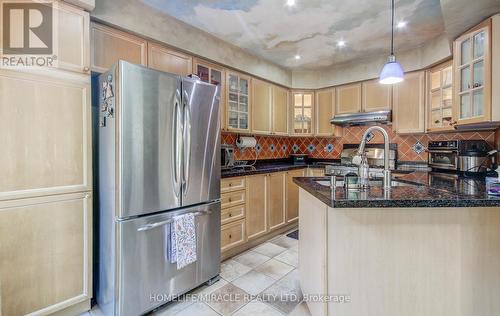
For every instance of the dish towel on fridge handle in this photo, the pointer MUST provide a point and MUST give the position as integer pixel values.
(182, 240)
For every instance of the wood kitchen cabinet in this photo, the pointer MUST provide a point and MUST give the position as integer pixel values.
(261, 107)
(216, 75)
(348, 99)
(257, 211)
(324, 111)
(238, 102)
(376, 96)
(168, 60)
(109, 45)
(46, 254)
(409, 104)
(292, 195)
(276, 201)
(439, 92)
(302, 113)
(280, 111)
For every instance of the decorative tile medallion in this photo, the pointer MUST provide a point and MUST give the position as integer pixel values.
(283, 147)
(310, 148)
(258, 147)
(418, 148)
(369, 137)
(329, 148)
(272, 147)
(295, 148)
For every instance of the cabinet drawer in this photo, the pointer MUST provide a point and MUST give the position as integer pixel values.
(232, 184)
(233, 199)
(232, 235)
(231, 214)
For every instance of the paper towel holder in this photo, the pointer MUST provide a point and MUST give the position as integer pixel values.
(246, 142)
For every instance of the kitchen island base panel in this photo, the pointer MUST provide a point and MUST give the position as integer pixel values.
(400, 261)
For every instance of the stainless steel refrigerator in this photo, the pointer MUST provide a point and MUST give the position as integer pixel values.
(159, 157)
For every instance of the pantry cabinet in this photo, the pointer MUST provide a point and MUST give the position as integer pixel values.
(409, 104)
(110, 45)
(439, 93)
(280, 111)
(376, 96)
(292, 195)
(276, 202)
(168, 60)
(302, 113)
(257, 206)
(216, 75)
(324, 111)
(348, 99)
(238, 102)
(261, 107)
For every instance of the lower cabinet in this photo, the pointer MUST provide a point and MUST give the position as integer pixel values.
(276, 198)
(256, 216)
(232, 235)
(46, 254)
(315, 172)
(292, 195)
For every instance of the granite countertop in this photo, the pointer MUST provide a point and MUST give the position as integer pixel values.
(267, 167)
(425, 189)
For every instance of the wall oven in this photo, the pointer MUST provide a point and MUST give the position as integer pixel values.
(443, 155)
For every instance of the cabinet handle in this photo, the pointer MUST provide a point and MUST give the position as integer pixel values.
(87, 195)
(230, 215)
(230, 200)
(230, 236)
(230, 184)
(86, 69)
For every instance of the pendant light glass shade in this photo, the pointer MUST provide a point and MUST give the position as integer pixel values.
(392, 72)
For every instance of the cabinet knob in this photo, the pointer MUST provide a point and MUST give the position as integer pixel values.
(230, 215)
(230, 200)
(230, 236)
(230, 184)
(86, 69)
(87, 195)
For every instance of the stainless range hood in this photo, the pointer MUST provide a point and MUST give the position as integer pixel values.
(362, 118)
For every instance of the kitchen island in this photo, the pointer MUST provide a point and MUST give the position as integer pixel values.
(416, 249)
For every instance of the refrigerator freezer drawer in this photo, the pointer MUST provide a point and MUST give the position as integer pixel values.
(145, 270)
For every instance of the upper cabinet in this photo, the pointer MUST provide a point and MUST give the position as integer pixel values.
(472, 68)
(110, 45)
(238, 102)
(376, 96)
(409, 104)
(348, 99)
(261, 106)
(216, 75)
(324, 111)
(302, 111)
(440, 97)
(168, 60)
(280, 111)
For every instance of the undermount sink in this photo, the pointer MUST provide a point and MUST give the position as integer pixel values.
(372, 182)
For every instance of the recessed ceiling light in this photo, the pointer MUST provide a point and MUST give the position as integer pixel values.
(290, 3)
(297, 57)
(401, 24)
(341, 43)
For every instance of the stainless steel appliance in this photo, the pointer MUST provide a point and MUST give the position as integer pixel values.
(159, 156)
(467, 156)
(363, 118)
(227, 156)
(443, 155)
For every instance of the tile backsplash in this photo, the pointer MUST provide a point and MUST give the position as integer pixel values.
(410, 147)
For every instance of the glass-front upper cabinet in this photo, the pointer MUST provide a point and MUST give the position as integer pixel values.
(215, 75)
(472, 68)
(303, 103)
(440, 93)
(238, 102)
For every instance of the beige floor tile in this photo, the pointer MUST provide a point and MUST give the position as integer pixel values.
(274, 268)
(285, 242)
(232, 269)
(198, 309)
(257, 308)
(269, 249)
(173, 308)
(301, 310)
(205, 289)
(295, 248)
(251, 259)
(285, 294)
(253, 282)
(228, 299)
(289, 257)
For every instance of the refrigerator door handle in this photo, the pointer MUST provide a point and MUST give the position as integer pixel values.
(177, 152)
(169, 221)
(187, 142)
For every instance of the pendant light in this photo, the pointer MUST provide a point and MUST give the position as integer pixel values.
(392, 71)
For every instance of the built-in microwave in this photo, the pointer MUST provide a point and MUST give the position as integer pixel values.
(227, 156)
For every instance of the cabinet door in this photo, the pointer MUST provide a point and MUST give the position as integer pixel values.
(439, 93)
(256, 217)
(280, 111)
(109, 45)
(409, 104)
(46, 253)
(73, 38)
(216, 75)
(348, 99)
(302, 113)
(277, 202)
(261, 107)
(472, 68)
(46, 137)
(324, 111)
(376, 96)
(292, 195)
(168, 60)
(238, 102)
